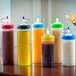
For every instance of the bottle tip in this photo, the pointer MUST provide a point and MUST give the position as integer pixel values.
(47, 31)
(23, 17)
(68, 28)
(57, 16)
(6, 17)
(37, 16)
(47, 28)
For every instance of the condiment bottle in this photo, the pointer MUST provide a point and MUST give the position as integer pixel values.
(68, 41)
(37, 32)
(7, 42)
(56, 30)
(48, 50)
(23, 43)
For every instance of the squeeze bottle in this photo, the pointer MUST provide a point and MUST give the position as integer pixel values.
(7, 42)
(37, 32)
(68, 41)
(56, 30)
(48, 50)
(23, 43)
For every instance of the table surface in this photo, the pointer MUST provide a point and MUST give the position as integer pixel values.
(37, 70)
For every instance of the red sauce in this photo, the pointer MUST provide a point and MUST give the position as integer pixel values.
(7, 47)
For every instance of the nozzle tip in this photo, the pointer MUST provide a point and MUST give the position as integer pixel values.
(37, 16)
(23, 17)
(47, 28)
(6, 17)
(57, 16)
(68, 28)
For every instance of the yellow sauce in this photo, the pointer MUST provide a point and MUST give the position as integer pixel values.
(23, 42)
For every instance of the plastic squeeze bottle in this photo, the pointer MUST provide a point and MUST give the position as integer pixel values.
(23, 43)
(7, 42)
(68, 41)
(56, 30)
(37, 32)
(48, 50)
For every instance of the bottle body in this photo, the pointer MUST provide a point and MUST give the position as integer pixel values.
(7, 40)
(58, 44)
(23, 43)
(48, 53)
(36, 40)
(68, 52)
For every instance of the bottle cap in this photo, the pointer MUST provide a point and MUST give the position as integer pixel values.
(38, 24)
(68, 35)
(64, 37)
(57, 24)
(24, 24)
(47, 37)
(5, 24)
(9, 26)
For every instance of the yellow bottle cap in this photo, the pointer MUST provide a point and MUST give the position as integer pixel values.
(48, 37)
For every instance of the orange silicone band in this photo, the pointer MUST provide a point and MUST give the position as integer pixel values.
(47, 42)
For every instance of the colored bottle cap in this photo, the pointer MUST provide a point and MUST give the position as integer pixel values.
(23, 27)
(57, 24)
(68, 35)
(47, 38)
(9, 26)
(24, 24)
(5, 24)
(38, 24)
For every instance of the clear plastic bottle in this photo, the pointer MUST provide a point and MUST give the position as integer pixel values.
(37, 32)
(56, 30)
(23, 43)
(48, 50)
(68, 41)
(7, 43)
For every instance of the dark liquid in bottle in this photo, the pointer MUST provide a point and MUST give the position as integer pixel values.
(48, 55)
(7, 47)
